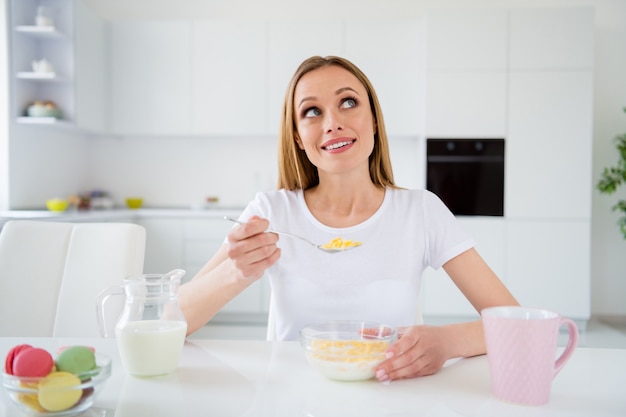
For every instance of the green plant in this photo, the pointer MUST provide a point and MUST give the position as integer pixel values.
(614, 176)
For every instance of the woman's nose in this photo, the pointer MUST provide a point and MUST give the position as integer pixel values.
(333, 121)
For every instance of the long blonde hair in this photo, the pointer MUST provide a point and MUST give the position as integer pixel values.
(294, 168)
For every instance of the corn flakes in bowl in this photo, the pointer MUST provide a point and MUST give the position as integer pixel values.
(347, 350)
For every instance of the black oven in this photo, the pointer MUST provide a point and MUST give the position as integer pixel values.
(467, 174)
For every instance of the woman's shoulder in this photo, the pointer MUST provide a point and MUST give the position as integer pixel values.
(275, 201)
(412, 195)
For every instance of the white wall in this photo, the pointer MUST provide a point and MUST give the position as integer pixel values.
(608, 267)
(4, 109)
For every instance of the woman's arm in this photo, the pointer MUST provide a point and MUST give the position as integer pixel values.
(232, 269)
(422, 350)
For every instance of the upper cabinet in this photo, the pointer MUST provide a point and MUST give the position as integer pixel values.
(150, 77)
(229, 77)
(552, 39)
(466, 58)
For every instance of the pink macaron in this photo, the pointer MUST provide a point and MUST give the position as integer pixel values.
(34, 362)
(15, 350)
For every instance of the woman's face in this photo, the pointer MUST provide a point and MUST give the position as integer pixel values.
(334, 122)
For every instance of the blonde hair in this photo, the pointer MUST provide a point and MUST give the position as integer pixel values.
(295, 171)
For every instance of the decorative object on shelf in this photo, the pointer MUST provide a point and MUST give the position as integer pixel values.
(42, 66)
(614, 176)
(44, 109)
(43, 17)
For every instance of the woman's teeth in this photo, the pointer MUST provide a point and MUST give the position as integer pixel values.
(338, 145)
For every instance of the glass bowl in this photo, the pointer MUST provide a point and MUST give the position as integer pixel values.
(25, 392)
(347, 350)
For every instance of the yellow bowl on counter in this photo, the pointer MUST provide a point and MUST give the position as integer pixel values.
(134, 202)
(56, 204)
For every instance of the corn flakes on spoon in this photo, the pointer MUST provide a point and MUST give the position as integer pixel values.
(334, 246)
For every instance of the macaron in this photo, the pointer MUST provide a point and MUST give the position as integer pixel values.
(15, 350)
(34, 362)
(76, 359)
(55, 393)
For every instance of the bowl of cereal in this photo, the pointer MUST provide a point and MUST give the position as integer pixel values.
(65, 390)
(347, 350)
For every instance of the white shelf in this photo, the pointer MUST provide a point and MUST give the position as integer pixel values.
(41, 120)
(38, 76)
(39, 31)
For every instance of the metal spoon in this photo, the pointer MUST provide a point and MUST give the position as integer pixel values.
(320, 247)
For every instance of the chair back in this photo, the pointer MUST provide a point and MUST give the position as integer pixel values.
(52, 272)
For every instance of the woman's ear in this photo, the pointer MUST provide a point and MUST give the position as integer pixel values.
(298, 141)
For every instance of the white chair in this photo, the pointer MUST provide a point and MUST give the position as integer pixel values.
(52, 272)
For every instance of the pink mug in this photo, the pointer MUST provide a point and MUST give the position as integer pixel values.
(521, 351)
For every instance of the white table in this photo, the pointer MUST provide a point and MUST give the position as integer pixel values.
(258, 379)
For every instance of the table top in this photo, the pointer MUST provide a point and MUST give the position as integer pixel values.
(257, 379)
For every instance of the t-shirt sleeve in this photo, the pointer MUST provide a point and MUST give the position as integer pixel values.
(445, 236)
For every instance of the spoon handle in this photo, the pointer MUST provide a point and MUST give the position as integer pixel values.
(274, 231)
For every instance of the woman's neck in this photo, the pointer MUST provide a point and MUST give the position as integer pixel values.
(344, 205)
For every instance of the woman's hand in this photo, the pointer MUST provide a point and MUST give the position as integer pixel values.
(419, 351)
(252, 250)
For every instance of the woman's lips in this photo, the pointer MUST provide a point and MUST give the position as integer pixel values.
(338, 144)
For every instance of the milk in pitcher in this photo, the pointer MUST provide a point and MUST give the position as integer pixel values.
(150, 347)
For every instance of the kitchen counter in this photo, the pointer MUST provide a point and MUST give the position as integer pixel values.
(121, 214)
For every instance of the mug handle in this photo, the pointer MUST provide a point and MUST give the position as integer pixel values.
(102, 298)
(571, 344)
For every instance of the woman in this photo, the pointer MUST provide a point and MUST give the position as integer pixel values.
(336, 180)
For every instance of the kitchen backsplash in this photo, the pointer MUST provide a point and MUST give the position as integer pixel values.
(182, 172)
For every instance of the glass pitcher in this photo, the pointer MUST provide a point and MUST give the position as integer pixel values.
(151, 330)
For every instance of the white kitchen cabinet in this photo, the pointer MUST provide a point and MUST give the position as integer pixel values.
(291, 42)
(229, 77)
(164, 244)
(188, 243)
(548, 150)
(552, 39)
(201, 240)
(548, 265)
(91, 70)
(440, 297)
(466, 104)
(389, 53)
(467, 40)
(466, 79)
(150, 68)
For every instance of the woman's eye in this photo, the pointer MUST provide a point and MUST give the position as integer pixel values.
(348, 103)
(312, 112)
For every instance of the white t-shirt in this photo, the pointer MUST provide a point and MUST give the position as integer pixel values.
(378, 281)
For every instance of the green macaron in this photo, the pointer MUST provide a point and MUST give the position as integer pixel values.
(76, 359)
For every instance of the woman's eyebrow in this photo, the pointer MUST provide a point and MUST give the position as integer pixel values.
(339, 91)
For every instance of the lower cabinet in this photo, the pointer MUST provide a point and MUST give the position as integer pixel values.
(188, 243)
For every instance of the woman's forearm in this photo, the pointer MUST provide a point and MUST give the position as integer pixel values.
(210, 290)
(464, 339)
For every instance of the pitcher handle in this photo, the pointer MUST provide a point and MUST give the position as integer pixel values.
(571, 344)
(102, 298)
